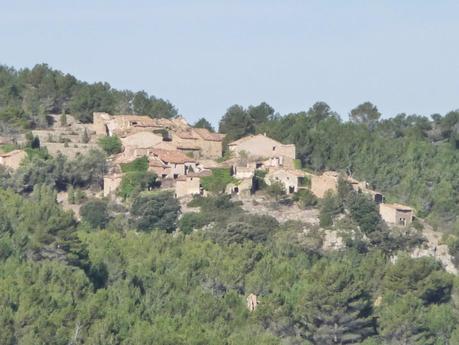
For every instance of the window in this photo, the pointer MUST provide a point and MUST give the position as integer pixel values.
(274, 148)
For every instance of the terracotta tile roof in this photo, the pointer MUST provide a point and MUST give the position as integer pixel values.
(187, 146)
(169, 156)
(154, 162)
(207, 135)
(187, 134)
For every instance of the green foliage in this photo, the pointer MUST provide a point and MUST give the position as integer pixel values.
(405, 157)
(133, 182)
(305, 198)
(111, 145)
(329, 207)
(85, 138)
(275, 190)
(61, 285)
(336, 307)
(217, 182)
(139, 164)
(95, 212)
(29, 93)
(365, 213)
(191, 221)
(155, 211)
(59, 173)
(203, 123)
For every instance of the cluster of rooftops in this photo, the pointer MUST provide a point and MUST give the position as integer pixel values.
(181, 155)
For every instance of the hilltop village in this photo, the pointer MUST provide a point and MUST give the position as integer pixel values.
(181, 156)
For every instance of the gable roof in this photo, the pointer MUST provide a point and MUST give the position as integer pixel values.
(252, 137)
(170, 156)
(208, 135)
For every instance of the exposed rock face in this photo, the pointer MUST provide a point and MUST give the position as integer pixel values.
(263, 206)
(434, 249)
(252, 302)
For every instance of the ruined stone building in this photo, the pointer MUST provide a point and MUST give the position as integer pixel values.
(190, 184)
(176, 132)
(263, 148)
(291, 179)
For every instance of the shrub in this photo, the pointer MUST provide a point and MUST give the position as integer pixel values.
(217, 182)
(95, 212)
(134, 182)
(305, 198)
(155, 211)
(191, 221)
(139, 164)
(111, 145)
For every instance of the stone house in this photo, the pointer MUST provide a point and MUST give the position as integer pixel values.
(396, 214)
(292, 180)
(111, 183)
(178, 163)
(242, 188)
(190, 184)
(12, 159)
(264, 148)
(187, 185)
(200, 140)
(320, 184)
(141, 140)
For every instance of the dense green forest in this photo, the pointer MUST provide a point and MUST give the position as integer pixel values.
(129, 281)
(140, 272)
(413, 159)
(28, 95)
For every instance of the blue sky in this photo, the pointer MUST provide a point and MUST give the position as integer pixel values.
(204, 56)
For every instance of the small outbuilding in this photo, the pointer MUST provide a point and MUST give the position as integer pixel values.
(396, 214)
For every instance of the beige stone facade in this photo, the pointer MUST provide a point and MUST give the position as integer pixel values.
(111, 183)
(243, 187)
(261, 146)
(187, 185)
(141, 140)
(292, 180)
(396, 214)
(199, 142)
(320, 184)
(12, 159)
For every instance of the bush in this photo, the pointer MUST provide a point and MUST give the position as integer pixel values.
(155, 211)
(111, 145)
(95, 212)
(191, 221)
(134, 182)
(275, 190)
(139, 164)
(305, 198)
(217, 182)
(365, 213)
(330, 207)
